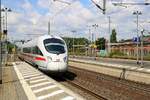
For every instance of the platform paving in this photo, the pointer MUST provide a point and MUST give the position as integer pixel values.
(11, 88)
(41, 86)
(20, 81)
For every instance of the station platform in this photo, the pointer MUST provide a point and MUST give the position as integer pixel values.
(11, 88)
(129, 72)
(24, 82)
(113, 61)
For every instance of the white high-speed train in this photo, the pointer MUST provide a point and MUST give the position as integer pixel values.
(48, 53)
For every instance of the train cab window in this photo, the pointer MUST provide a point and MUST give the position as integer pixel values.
(55, 46)
(55, 49)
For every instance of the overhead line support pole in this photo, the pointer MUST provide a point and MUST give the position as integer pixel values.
(109, 46)
(137, 13)
(0, 47)
(142, 52)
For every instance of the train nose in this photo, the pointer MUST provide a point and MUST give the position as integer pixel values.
(57, 66)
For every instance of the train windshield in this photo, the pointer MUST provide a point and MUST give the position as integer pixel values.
(54, 45)
(55, 48)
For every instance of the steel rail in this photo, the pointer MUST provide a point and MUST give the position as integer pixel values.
(99, 97)
(114, 81)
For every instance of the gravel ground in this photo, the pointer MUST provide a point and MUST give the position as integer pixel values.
(79, 91)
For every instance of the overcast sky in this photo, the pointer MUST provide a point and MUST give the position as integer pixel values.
(32, 16)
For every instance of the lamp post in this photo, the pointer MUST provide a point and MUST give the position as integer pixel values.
(73, 41)
(89, 30)
(90, 39)
(109, 46)
(137, 13)
(95, 26)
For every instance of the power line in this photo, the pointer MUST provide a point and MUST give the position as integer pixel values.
(130, 3)
(65, 2)
(35, 34)
(103, 8)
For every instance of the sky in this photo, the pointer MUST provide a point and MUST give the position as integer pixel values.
(29, 18)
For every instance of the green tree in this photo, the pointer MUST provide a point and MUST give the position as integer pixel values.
(10, 46)
(113, 38)
(100, 43)
(77, 41)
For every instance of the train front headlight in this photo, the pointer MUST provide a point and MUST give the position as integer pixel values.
(65, 59)
(49, 58)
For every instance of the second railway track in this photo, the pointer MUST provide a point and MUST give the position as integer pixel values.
(106, 87)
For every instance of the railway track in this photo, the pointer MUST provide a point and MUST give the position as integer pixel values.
(124, 82)
(97, 96)
(107, 87)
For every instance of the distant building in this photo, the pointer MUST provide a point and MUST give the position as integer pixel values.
(129, 47)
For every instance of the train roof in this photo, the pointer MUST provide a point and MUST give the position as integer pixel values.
(34, 41)
(50, 36)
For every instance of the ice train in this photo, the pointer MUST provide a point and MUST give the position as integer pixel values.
(48, 53)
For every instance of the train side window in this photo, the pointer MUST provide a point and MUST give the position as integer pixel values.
(27, 50)
(24, 50)
(37, 51)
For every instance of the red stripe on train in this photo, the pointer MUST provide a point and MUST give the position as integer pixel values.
(40, 58)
